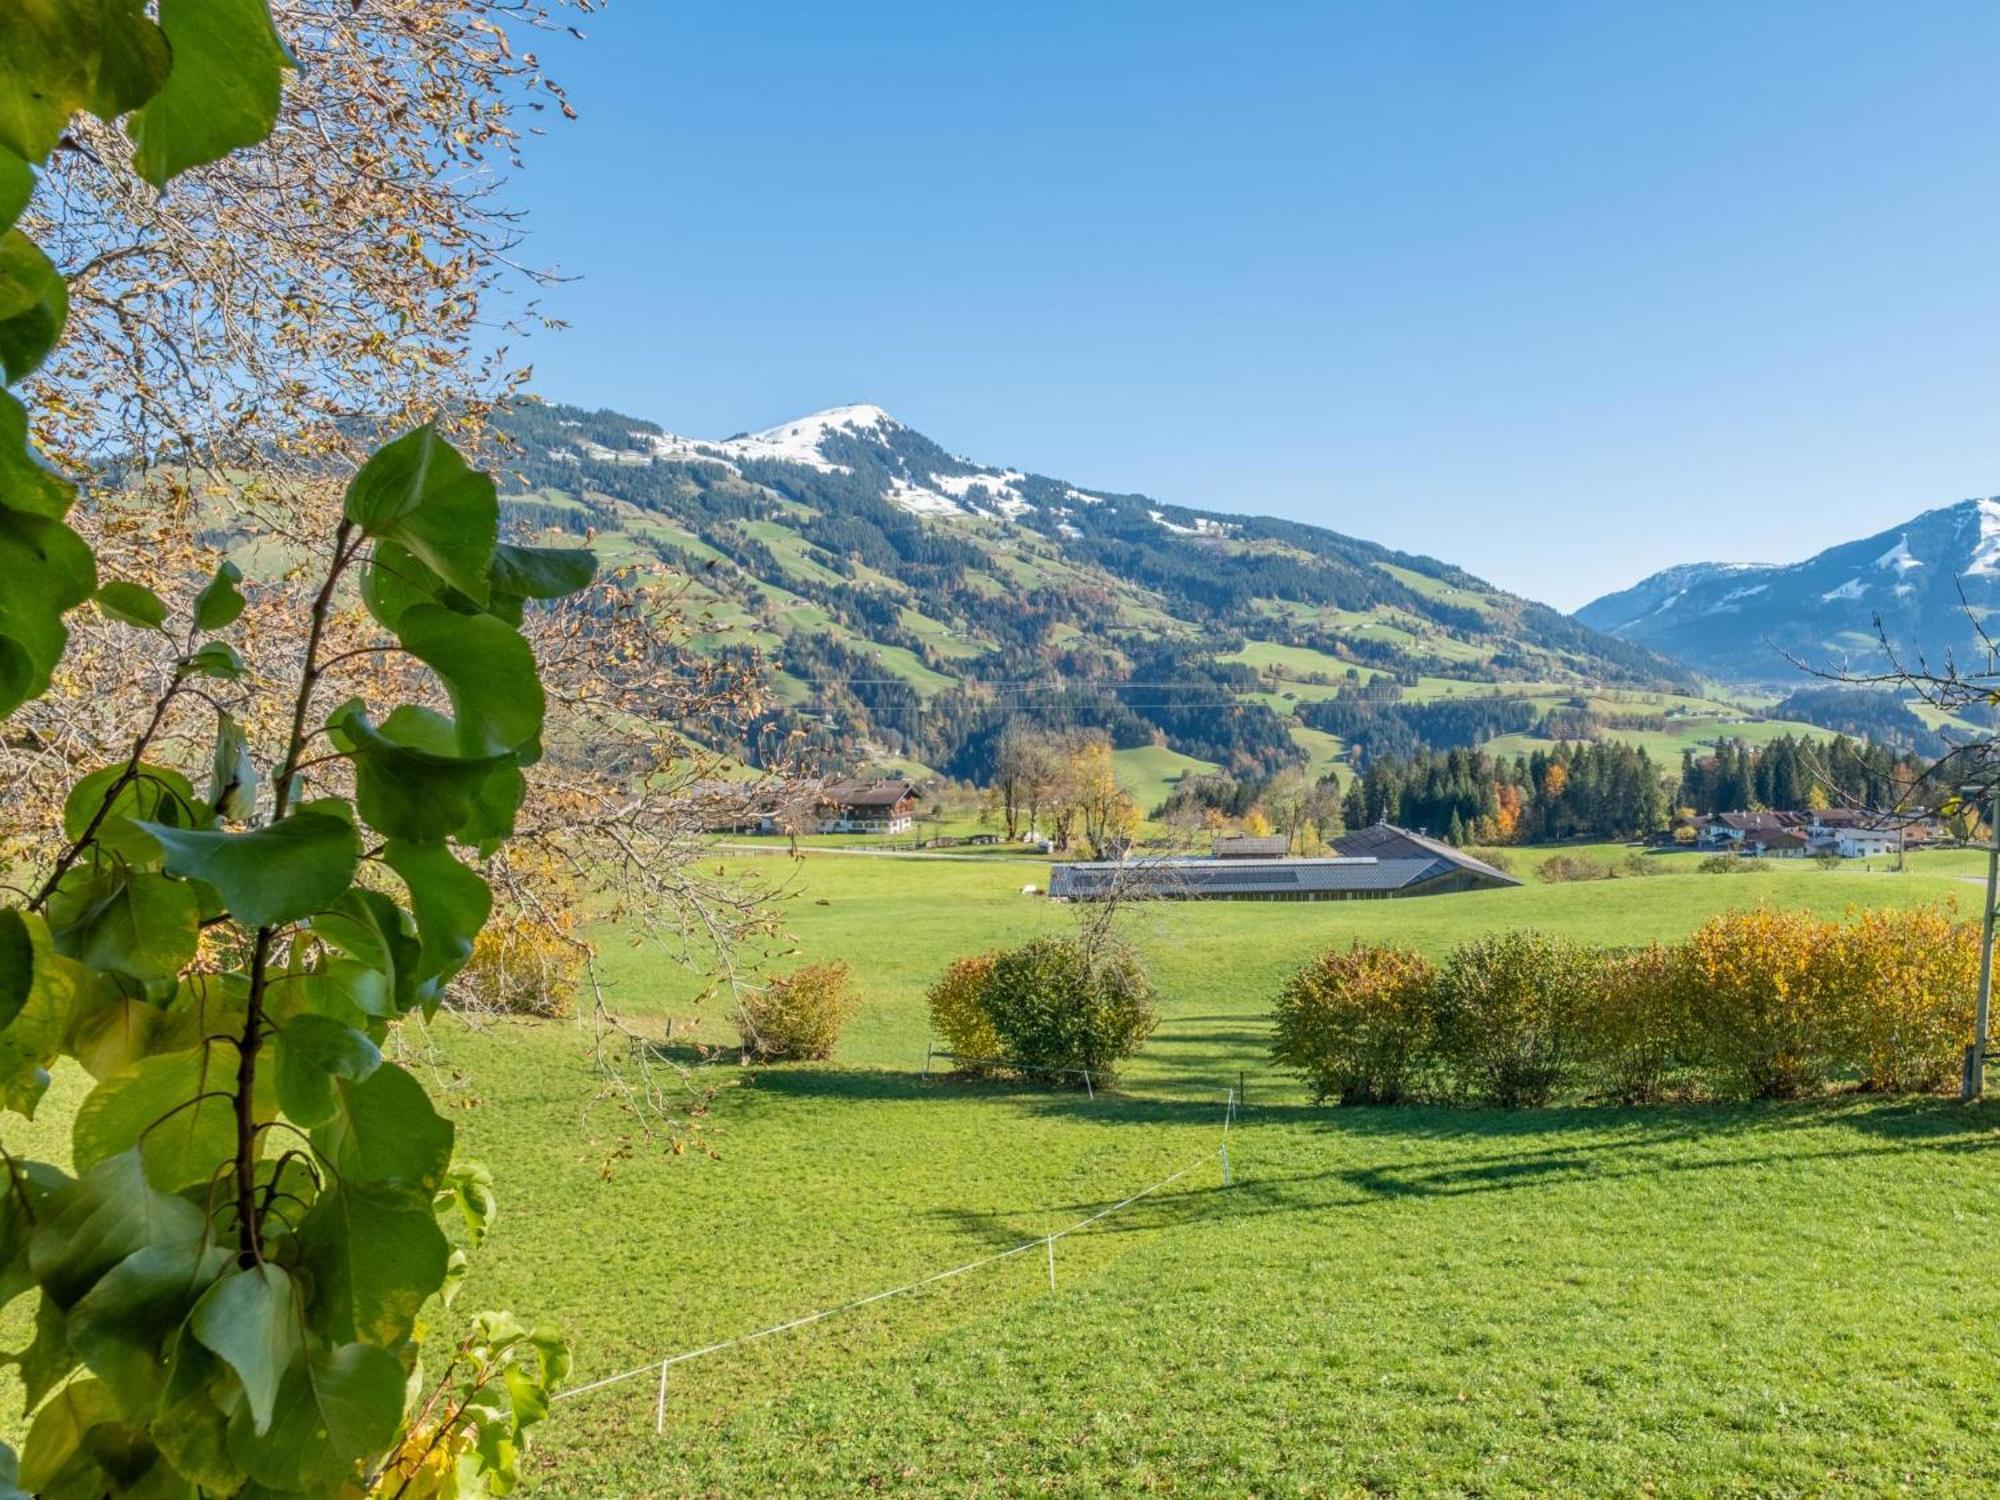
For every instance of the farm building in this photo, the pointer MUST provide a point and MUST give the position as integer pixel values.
(867, 807)
(1371, 864)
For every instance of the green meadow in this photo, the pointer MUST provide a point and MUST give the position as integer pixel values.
(1794, 1299)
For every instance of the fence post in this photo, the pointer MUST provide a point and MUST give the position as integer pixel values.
(1088, 1091)
(1226, 1181)
(660, 1406)
(1050, 1241)
(928, 1048)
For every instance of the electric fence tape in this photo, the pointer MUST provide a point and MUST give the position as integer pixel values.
(1039, 1242)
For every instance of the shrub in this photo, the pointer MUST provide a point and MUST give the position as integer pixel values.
(1730, 864)
(800, 1015)
(1561, 869)
(1903, 978)
(1636, 1022)
(1358, 1024)
(1057, 1006)
(1510, 1015)
(958, 1012)
(1763, 998)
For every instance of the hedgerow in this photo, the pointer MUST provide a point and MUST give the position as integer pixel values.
(1759, 1003)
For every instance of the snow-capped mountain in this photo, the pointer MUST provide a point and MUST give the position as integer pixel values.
(911, 598)
(1750, 622)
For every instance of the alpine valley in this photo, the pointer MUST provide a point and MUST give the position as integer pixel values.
(909, 602)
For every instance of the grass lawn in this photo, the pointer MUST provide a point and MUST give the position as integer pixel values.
(1744, 1300)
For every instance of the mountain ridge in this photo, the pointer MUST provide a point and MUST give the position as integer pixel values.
(912, 598)
(1753, 623)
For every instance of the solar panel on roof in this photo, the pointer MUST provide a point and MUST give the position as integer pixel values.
(1267, 876)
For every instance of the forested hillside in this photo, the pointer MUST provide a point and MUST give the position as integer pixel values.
(910, 602)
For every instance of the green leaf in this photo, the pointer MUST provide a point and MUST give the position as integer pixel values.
(17, 963)
(232, 776)
(312, 1051)
(385, 1130)
(451, 903)
(336, 1408)
(223, 91)
(48, 570)
(34, 301)
(17, 186)
(60, 56)
(132, 604)
(370, 929)
(375, 1254)
(249, 1319)
(522, 573)
(120, 1324)
(34, 1036)
(270, 875)
(418, 493)
(488, 671)
(219, 602)
(468, 1187)
(26, 483)
(22, 1205)
(410, 782)
(108, 1213)
(58, 1458)
(154, 793)
(47, 1358)
(122, 921)
(156, 1104)
(190, 1429)
(217, 659)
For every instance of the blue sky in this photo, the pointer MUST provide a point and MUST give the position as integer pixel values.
(1559, 292)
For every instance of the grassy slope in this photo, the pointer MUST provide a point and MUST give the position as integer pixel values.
(1414, 1302)
(1748, 1300)
(1150, 772)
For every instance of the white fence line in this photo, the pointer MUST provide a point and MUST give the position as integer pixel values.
(1041, 1241)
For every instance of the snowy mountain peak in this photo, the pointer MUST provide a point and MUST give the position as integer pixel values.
(1747, 623)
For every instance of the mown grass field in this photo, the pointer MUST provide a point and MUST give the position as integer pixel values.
(1743, 1300)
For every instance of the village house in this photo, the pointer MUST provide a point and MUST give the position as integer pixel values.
(888, 806)
(1848, 832)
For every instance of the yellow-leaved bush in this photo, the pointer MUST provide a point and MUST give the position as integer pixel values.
(958, 1013)
(1358, 1022)
(1907, 979)
(1763, 1003)
(799, 1016)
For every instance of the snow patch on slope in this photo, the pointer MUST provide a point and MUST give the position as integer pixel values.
(1985, 559)
(1900, 557)
(794, 442)
(1854, 588)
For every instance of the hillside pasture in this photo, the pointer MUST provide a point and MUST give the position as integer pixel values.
(1743, 1299)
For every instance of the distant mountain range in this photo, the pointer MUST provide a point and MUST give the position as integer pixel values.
(912, 600)
(1740, 622)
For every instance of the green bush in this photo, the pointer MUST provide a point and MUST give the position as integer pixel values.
(1731, 864)
(958, 1013)
(1512, 1010)
(1357, 1024)
(1056, 1007)
(800, 1015)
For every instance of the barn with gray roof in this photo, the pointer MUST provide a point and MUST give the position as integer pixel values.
(1369, 864)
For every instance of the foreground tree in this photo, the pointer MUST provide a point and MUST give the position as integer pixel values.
(231, 1290)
